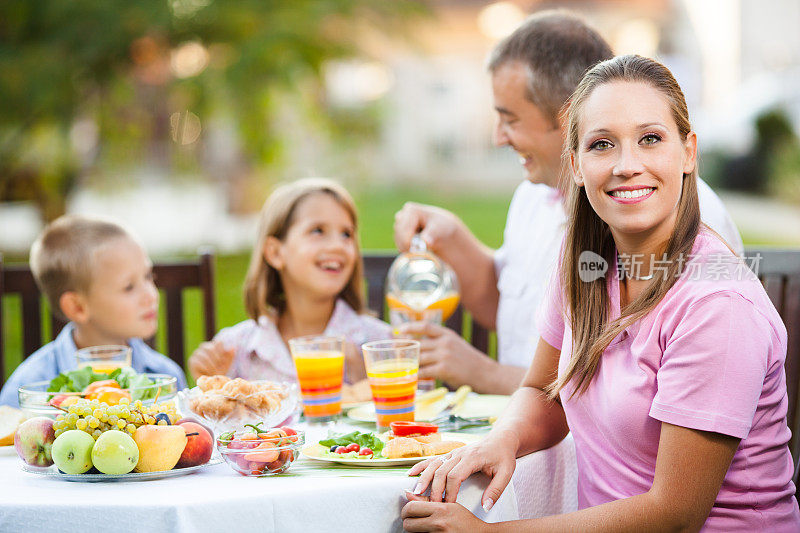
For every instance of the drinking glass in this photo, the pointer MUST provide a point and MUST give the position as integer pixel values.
(392, 367)
(104, 359)
(319, 361)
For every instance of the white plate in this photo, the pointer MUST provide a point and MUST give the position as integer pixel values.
(319, 453)
(352, 405)
(53, 472)
(474, 405)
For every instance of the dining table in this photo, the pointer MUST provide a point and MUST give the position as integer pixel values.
(311, 496)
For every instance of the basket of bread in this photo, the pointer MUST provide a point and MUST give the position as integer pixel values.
(226, 403)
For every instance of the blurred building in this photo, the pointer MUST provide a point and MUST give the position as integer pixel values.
(733, 58)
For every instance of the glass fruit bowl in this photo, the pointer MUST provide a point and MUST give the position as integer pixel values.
(34, 399)
(242, 402)
(266, 456)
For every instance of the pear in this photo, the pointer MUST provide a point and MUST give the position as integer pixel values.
(160, 447)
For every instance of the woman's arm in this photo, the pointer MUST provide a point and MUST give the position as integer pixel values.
(690, 468)
(537, 422)
(530, 422)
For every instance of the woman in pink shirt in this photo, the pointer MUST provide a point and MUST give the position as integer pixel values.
(667, 367)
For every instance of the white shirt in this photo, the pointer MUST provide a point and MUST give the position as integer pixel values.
(524, 263)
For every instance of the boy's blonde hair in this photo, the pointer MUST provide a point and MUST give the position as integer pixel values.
(263, 290)
(62, 256)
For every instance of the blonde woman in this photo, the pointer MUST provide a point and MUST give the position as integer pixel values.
(305, 278)
(668, 369)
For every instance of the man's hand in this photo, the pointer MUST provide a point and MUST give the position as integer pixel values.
(210, 359)
(435, 225)
(354, 363)
(445, 355)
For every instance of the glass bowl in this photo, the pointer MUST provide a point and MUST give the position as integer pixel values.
(34, 398)
(261, 456)
(225, 411)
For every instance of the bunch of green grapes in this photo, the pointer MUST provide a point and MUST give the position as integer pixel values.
(95, 417)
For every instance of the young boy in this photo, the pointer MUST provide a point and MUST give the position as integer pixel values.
(99, 278)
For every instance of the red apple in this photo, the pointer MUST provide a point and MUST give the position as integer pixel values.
(198, 447)
(33, 441)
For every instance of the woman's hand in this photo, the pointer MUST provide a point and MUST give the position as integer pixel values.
(495, 456)
(421, 515)
(210, 359)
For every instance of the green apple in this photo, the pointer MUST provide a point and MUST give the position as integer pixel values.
(115, 453)
(72, 451)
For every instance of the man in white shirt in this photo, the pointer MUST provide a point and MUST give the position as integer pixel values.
(534, 71)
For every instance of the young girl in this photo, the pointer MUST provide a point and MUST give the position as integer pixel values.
(670, 376)
(305, 278)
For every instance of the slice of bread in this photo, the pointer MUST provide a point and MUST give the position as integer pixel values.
(10, 419)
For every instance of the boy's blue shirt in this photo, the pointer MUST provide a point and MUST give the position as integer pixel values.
(59, 356)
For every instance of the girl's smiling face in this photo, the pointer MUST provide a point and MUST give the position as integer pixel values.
(318, 253)
(631, 159)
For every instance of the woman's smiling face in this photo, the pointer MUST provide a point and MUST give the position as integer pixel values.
(631, 158)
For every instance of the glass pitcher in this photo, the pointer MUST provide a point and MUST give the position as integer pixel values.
(420, 286)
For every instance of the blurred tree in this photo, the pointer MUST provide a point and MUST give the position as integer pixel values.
(774, 138)
(86, 81)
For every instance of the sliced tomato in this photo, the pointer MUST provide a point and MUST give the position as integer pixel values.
(401, 428)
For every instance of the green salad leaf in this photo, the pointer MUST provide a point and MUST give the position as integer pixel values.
(368, 440)
(123, 375)
(137, 385)
(129, 379)
(75, 380)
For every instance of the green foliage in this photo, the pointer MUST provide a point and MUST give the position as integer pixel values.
(108, 61)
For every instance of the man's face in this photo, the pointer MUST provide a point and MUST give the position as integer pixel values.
(524, 127)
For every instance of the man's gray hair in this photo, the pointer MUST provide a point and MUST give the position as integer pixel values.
(557, 48)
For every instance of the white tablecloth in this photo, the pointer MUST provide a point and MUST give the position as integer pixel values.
(216, 498)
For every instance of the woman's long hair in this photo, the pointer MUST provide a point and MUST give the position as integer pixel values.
(588, 304)
(263, 290)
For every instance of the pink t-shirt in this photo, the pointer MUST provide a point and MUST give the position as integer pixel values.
(708, 357)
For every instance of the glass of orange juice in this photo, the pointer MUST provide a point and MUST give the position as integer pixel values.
(319, 361)
(392, 367)
(104, 359)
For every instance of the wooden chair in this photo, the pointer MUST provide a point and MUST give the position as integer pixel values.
(779, 271)
(376, 265)
(171, 278)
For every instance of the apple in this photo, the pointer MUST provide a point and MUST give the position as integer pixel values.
(33, 441)
(115, 452)
(72, 451)
(198, 422)
(198, 448)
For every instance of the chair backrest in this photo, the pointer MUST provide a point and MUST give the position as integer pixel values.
(376, 266)
(779, 271)
(171, 278)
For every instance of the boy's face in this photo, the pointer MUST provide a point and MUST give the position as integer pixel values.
(122, 300)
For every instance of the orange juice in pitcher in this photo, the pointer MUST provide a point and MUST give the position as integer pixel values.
(421, 287)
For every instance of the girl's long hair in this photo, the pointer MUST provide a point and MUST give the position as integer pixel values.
(263, 290)
(588, 304)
